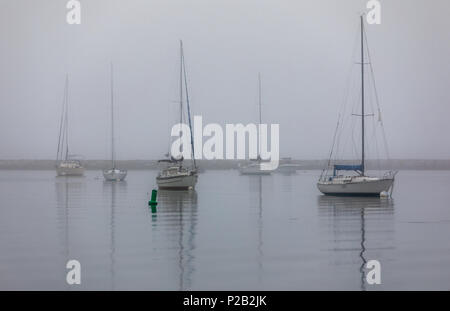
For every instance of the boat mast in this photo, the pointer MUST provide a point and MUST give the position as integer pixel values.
(61, 137)
(66, 130)
(260, 118)
(362, 97)
(113, 160)
(188, 105)
(181, 84)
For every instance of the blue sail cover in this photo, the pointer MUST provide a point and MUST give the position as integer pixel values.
(347, 168)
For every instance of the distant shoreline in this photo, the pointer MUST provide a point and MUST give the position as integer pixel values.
(393, 164)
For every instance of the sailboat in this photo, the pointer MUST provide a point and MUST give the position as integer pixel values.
(360, 184)
(255, 167)
(176, 176)
(66, 164)
(113, 174)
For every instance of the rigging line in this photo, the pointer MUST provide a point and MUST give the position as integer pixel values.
(260, 115)
(350, 127)
(355, 151)
(181, 86)
(66, 126)
(349, 124)
(347, 138)
(374, 136)
(170, 110)
(61, 123)
(332, 146)
(340, 126)
(362, 101)
(113, 158)
(168, 128)
(376, 97)
(63, 130)
(59, 153)
(341, 116)
(188, 105)
(344, 109)
(348, 84)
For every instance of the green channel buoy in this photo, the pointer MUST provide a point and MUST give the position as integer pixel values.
(153, 201)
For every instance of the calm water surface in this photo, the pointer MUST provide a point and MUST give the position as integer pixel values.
(233, 233)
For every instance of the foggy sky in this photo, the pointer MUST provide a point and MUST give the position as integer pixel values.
(303, 50)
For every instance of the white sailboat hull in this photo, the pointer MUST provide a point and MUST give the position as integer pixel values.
(69, 168)
(181, 182)
(114, 175)
(369, 187)
(70, 171)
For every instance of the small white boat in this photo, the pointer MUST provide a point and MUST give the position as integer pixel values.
(256, 166)
(66, 165)
(359, 184)
(70, 168)
(175, 176)
(113, 174)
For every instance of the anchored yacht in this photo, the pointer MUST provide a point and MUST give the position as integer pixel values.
(177, 176)
(66, 164)
(359, 184)
(113, 173)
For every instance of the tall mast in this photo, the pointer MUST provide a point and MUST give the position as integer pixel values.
(362, 96)
(181, 84)
(67, 118)
(260, 118)
(113, 160)
(61, 137)
(183, 63)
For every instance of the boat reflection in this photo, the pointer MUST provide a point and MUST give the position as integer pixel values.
(350, 218)
(177, 210)
(69, 191)
(113, 191)
(256, 185)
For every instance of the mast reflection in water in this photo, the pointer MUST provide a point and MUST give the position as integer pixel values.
(357, 224)
(177, 215)
(112, 191)
(69, 191)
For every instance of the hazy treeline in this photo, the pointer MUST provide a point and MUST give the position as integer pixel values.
(394, 164)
